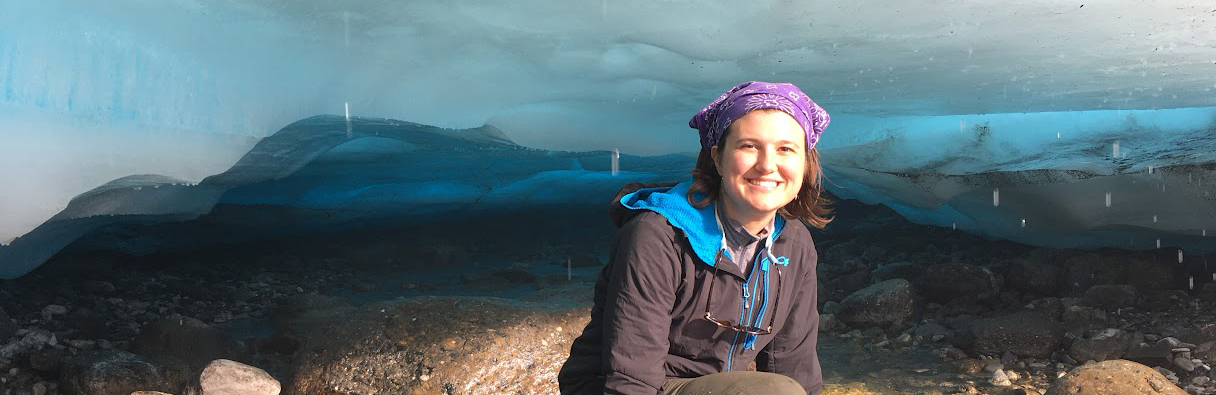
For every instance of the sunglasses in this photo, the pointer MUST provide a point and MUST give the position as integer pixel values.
(751, 330)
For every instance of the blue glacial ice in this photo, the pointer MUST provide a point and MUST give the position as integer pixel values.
(1041, 122)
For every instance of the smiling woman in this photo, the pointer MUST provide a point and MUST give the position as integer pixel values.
(657, 326)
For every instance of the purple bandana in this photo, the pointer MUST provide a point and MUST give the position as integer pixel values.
(712, 121)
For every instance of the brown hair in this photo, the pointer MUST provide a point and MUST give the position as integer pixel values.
(809, 205)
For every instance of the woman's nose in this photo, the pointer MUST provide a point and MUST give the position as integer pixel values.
(766, 162)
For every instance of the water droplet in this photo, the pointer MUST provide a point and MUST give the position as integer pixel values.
(1192, 282)
(1179, 256)
(1150, 170)
(1023, 222)
(1154, 218)
(954, 226)
(996, 197)
(1057, 134)
(1158, 243)
(962, 125)
(1115, 149)
(1108, 199)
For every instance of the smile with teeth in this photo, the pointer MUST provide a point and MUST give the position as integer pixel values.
(762, 183)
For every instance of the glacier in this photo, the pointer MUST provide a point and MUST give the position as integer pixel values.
(1052, 123)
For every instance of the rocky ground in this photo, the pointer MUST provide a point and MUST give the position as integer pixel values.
(907, 309)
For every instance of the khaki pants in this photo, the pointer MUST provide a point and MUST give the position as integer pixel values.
(734, 383)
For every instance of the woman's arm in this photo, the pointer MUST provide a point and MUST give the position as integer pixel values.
(637, 309)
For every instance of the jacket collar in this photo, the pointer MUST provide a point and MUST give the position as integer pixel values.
(699, 225)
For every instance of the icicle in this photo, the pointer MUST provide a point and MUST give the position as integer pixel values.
(1115, 149)
(954, 226)
(996, 197)
(1192, 282)
(349, 130)
(1179, 256)
(616, 161)
(1108, 199)
(1158, 242)
(1154, 218)
(1023, 222)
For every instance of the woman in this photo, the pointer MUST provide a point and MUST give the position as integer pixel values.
(710, 276)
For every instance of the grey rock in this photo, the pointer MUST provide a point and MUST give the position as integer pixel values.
(1026, 334)
(1159, 353)
(932, 330)
(1184, 363)
(189, 340)
(831, 307)
(1110, 296)
(948, 281)
(1000, 379)
(880, 304)
(1100, 346)
(116, 372)
(1078, 319)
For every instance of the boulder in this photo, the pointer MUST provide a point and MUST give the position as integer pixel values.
(1034, 278)
(880, 304)
(1110, 296)
(117, 372)
(225, 377)
(1026, 334)
(1159, 353)
(433, 345)
(1113, 377)
(944, 282)
(1100, 345)
(1078, 319)
(189, 340)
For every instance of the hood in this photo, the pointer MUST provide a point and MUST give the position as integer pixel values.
(699, 225)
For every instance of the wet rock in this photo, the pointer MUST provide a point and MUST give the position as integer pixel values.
(1113, 377)
(948, 281)
(1100, 346)
(1034, 278)
(225, 377)
(1162, 300)
(1051, 307)
(880, 304)
(304, 311)
(116, 372)
(1110, 296)
(1185, 363)
(905, 270)
(1025, 333)
(51, 311)
(189, 340)
(396, 347)
(1078, 319)
(1159, 353)
(969, 366)
(1090, 269)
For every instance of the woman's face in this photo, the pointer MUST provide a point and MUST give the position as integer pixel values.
(762, 163)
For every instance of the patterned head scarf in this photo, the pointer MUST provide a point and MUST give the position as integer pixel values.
(712, 121)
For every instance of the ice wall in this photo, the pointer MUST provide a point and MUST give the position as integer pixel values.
(93, 92)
